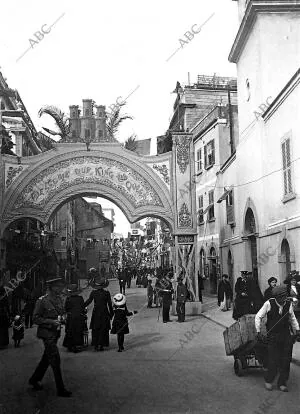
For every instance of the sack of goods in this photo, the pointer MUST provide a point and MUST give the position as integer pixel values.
(241, 334)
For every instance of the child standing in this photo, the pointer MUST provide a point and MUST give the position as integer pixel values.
(120, 321)
(18, 330)
(150, 294)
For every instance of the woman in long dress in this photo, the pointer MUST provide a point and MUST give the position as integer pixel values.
(102, 314)
(75, 323)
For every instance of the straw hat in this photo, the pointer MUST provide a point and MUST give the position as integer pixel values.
(119, 299)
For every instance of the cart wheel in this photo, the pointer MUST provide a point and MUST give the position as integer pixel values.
(238, 367)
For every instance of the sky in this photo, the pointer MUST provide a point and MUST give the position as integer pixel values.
(105, 50)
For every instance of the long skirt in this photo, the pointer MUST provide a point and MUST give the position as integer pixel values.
(74, 332)
(100, 337)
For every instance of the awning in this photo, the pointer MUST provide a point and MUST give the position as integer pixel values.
(225, 194)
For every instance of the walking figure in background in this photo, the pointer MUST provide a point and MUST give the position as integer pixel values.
(182, 295)
(29, 308)
(75, 323)
(281, 325)
(150, 294)
(48, 316)
(18, 330)
(225, 294)
(122, 281)
(102, 314)
(120, 321)
(272, 282)
(242, 303)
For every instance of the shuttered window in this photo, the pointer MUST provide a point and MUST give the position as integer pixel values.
(200, 210)
(287, 169)
(209, 154)
(230, 208)
(211, 211)
(199, 160)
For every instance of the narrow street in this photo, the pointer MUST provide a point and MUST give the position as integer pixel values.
(161, 371)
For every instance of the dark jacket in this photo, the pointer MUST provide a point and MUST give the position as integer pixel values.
(224, 288)
(103, 310)
(182, 293)
(120, 321)
(268, 293)
(47, 309)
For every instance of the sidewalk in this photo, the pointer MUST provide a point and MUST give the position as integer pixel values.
(212, 311)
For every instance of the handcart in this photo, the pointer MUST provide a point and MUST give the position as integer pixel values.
(241, 343)
(252, 355)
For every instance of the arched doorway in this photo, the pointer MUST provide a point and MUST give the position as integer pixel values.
(285, 259)
(250, 236)
(213, 270)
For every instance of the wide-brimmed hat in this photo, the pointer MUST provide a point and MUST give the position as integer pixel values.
(100, 282)
(119, 299)
(73, 289)
(279, 291)
(245, 272)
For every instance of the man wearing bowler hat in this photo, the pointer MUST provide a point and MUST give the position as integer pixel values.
(281, 326)
(48, 316)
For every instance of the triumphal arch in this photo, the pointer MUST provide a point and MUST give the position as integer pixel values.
(142, 186)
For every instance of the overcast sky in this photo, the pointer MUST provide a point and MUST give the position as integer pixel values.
(104, 50)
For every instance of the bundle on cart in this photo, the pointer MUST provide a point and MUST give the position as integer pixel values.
(240, 334)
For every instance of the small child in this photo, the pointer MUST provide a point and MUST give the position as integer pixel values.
(120, 321)
(150, 294)
(18, 330)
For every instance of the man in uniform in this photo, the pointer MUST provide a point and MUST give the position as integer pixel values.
(47, 315)
(182, 295)
(166, 291)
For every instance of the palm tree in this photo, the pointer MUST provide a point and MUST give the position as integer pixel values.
(62, 122)
(131, 144)
(114, 121)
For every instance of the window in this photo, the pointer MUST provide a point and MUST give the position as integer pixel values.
(211, 210)
(198, 161)
(287, 169)
(73, 134)
(74, 115)
(100, 133)
(230, 208)
(209, 154)
(87, 112)
(200, 210)
(87, 133)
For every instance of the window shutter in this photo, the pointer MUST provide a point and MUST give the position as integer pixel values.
(205, 156)
(213, 151)
(287, 169)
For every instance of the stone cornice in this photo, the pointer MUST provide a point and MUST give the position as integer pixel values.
(253, 8)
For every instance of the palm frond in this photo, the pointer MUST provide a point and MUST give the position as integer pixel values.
(59, 117)
(114, 120)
